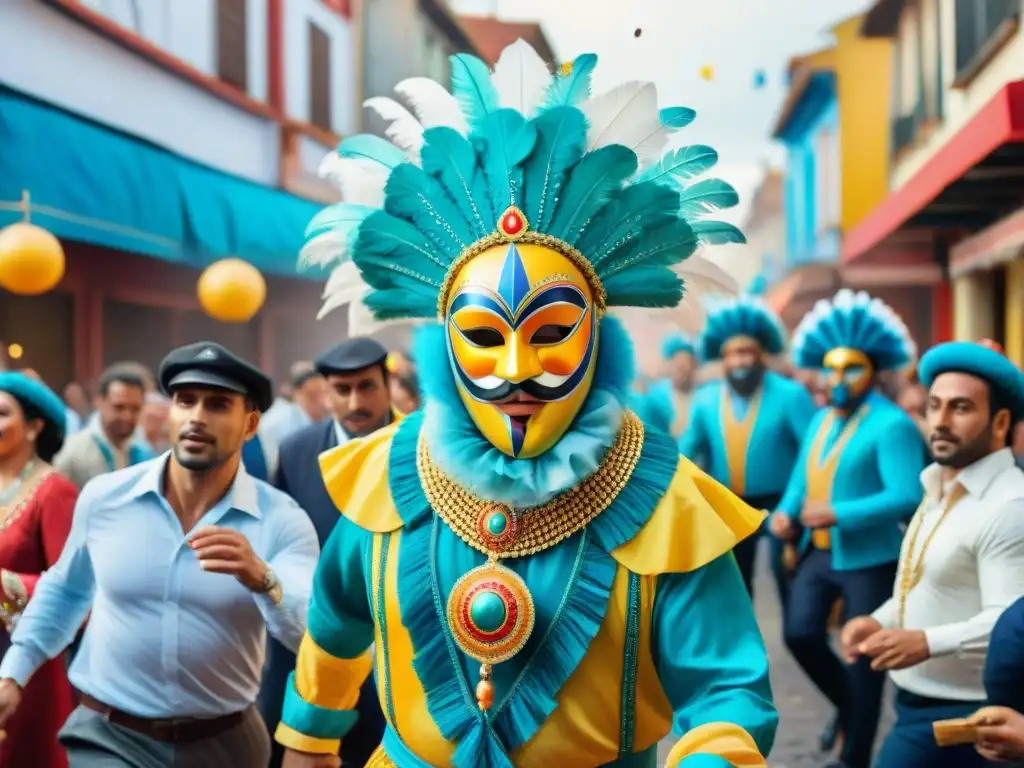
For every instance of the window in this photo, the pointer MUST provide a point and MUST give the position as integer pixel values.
(977, 22)
(319, 78)
(232, 43)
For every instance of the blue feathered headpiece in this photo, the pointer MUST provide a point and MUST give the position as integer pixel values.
(586, 176)
(857, 321)
(675, 343)
(743, 316)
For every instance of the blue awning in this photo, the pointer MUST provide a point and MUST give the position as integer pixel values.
(94, 184)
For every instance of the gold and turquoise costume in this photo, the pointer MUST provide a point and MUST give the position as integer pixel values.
(541, 578)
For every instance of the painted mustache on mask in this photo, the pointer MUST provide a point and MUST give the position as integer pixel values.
(529, 387)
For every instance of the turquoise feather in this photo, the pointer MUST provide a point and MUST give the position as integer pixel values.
(342, 218)
(681, 165)
(676, 117)
(472, 86)
(635, 209)
(413, 195)
(706, 196)
(717, 233)
(644, 287)
(449, 157)
(571, 89)
(663, 246)
(561, 138)
(504, 142)
(367, 147)
(592, 182)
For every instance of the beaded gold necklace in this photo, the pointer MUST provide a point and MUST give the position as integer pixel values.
(490, 610)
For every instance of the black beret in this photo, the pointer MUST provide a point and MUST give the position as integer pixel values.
(208, 364)
(351, 355)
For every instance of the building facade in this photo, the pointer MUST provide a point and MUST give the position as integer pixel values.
(957, 170)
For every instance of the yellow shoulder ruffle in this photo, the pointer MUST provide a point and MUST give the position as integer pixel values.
(697, 520)
(356, 478)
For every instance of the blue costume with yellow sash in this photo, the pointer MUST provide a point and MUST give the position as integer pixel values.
(749, 441)
(543, 578)
(664, 404)
(861, 459)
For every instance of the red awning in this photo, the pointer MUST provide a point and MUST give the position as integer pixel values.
(999, 122)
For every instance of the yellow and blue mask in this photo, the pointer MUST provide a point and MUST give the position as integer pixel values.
(520, 325)
(850, 375)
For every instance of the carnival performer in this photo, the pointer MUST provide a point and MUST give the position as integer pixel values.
(543, 580)
(36, 507)
(856, 480)
(671, 395)
(750, 425)
(962, 562)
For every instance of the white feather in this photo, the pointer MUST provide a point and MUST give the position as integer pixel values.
(521, 78)
(627, 115)
(361, 181)
(323, 250)
(404, 130)
(433, 105)
(346, 288)
(703, 277)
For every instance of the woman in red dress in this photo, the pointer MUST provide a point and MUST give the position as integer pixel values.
(36, 507)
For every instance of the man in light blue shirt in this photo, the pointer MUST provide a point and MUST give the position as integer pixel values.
(186, 562)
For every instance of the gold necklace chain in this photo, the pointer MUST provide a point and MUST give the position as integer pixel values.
(522, 532)
(912, 569)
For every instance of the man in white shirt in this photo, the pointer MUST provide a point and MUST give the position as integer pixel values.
(962, 561)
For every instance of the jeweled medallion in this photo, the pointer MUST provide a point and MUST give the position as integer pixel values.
(499, 527)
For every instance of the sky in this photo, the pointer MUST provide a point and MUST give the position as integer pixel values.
(678, 37)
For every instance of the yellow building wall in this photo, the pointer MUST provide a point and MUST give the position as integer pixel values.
(863, 69)
(972, 307)
(1015, 311)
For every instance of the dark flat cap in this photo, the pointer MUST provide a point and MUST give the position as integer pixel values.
(208, 364)
(351, 355)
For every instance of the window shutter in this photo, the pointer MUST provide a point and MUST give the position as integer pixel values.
(319, 78)
(232, 43)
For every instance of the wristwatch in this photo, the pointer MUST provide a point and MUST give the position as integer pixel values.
(272, 587)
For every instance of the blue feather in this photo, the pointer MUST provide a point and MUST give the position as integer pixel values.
(644, 287)
(472, 86)
(706, 196)
(367, 147)
(504, 142)
(717, 233)
(676, 117)
(681, 165)
(413, 195)
(449, 157)
(638, 208)
(598, 176)
(343, 218)
(561, 137)
(664, 246)
(571, 89)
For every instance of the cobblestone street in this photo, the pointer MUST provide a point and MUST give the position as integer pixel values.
(803, 710)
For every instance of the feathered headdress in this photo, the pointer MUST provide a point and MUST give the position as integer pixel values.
(743, 316)
(675, 343)
(857, 321)
(516, 155)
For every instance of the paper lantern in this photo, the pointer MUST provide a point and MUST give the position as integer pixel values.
(231, 291)
(31, 259)
(760, 78)
(707, 72)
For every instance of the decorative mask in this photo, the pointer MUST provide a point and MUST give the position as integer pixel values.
(522, 341)
(850, 374)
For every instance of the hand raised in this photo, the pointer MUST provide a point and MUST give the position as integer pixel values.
(225, 550)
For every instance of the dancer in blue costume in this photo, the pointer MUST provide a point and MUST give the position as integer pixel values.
(544, 580)
(748, 427)
(667, 401)
(856, 481)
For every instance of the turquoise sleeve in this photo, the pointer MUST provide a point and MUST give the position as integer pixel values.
(792, 502)
(800, 413)
(705, 761)
(900, 460)
(694, 443)
(710, 656)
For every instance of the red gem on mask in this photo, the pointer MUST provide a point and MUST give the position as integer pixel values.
(512, 223)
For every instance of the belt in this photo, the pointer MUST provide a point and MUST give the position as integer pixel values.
(181, 730)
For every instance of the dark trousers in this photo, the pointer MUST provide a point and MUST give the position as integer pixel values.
(357, 745)
(746, 551)
(856, 691)
(911, 742)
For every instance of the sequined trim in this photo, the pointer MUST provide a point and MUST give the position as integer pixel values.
(382, 620)
(544, 526)
(630, 654)
(10, 514)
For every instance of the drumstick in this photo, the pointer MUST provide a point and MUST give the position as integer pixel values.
(951, 733)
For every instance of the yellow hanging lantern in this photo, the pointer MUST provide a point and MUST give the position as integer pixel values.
(707, 72)
(31, 259)
(231, 291)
